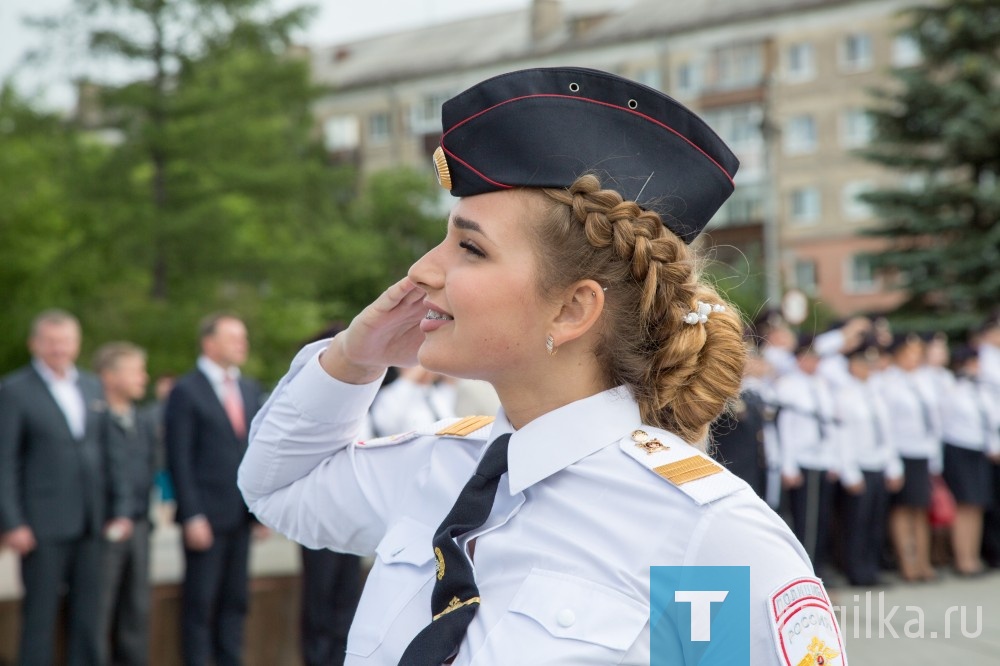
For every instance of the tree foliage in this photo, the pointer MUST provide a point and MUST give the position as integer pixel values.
(214, 194)
(939, 127)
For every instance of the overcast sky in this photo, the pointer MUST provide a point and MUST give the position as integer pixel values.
(337, 21)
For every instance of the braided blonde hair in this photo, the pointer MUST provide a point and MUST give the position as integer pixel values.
(682, 375)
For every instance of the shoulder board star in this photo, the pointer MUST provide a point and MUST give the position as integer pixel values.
(674, 460)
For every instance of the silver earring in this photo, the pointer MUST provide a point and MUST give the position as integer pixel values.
(550, 345)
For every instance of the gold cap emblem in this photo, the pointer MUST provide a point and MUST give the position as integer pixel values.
(441, 168)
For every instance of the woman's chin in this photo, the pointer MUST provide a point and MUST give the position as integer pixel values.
(437, 358)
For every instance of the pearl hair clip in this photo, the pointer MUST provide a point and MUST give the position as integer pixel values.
(700, 314)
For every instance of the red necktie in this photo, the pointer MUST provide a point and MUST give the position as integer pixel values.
(233, 403)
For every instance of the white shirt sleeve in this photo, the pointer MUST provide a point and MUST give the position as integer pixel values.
(737, 534)
(302, 474)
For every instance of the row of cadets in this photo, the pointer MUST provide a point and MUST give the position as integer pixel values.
(812, 457)
(915, 426)
(742, 438)
(873, 469)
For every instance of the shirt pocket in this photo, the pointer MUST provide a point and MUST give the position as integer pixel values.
(561, 618)
(403, 565)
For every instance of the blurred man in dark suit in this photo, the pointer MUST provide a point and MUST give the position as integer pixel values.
(56, 475)
(207, 419)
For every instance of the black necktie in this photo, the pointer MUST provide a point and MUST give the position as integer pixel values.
(455, 596)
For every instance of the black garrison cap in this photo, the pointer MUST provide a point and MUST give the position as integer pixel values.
(546, 127)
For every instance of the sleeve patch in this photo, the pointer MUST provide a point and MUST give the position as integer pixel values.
(804, 626)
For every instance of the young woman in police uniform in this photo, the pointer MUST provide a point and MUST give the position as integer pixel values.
(566, 282)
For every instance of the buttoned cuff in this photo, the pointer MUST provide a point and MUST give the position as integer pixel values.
(324, 399)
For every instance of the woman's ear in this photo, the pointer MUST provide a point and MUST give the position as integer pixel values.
(582, 305)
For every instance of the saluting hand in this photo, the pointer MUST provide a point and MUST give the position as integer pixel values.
(385, 333)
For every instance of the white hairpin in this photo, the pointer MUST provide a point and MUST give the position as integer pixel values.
(700, 314)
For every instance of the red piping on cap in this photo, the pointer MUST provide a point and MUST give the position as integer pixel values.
(473, 169)
(592, 101)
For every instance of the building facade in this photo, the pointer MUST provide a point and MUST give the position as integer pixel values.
(784, 82)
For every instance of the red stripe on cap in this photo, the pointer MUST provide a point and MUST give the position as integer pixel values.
(473, 169)
(592, 101)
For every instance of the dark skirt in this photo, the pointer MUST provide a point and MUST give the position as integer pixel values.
(916, 490)
(969, 476)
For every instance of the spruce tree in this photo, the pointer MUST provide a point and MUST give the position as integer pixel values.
(938, 126)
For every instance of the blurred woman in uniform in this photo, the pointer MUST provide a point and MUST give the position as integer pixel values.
(915, 425)
(971, 442)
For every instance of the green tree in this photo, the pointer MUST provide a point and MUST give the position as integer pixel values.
(217, 196)
(43, 255)
(214, 193)
(938, 125)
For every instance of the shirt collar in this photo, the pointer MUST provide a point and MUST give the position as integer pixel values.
(50, 377)
(566, 435)
(215, 372)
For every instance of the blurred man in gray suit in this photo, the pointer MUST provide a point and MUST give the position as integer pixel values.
(56, 475)
(125, 599)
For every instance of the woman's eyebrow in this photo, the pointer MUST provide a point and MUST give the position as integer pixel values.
(467, 224)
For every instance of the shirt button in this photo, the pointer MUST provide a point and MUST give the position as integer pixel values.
(566, 618)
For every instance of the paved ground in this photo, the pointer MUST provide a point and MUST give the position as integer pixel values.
(928, 622)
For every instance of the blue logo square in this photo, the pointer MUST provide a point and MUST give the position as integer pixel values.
(699, 616)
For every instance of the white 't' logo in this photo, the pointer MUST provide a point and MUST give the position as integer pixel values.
(701, 610)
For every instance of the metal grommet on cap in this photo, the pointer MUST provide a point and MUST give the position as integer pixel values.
(632, 104)
(574, 87)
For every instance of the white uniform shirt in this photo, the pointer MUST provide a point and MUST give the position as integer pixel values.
(865, 433)
(405, 405)
(914, 414)
(989, 366)
(562, 563)
(807, 432)
(968, 419)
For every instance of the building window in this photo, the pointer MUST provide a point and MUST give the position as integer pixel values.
(799, 62)
(805, 206)
(650, 76)
(859, 275)
(854, 208)
(736, 66)
(687, 78)
(746, 206)
(739, 126)
(425, 116)
(856, 52)
(855, 128)
(805, 276)
(380, 127)
(341, 133)
(800, 135)
(905, 51)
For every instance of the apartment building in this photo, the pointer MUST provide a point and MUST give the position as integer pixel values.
(784, 82)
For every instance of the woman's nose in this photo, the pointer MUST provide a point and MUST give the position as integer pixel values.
(426, 271)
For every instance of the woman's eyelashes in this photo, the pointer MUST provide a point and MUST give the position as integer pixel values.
(471, 248)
